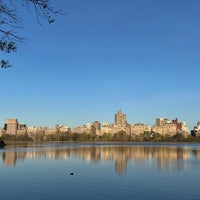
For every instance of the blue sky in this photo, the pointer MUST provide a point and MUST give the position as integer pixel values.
(141, 56)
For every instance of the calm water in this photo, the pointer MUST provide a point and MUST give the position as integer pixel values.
(101, 171)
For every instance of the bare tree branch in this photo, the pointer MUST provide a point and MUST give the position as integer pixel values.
(10, 22)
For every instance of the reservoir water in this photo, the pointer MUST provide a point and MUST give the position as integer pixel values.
(100, 171)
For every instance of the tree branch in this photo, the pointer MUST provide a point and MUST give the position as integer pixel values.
(10, 22)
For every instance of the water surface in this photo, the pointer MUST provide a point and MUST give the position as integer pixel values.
(100, 171)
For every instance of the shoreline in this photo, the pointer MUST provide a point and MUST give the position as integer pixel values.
(122, 143)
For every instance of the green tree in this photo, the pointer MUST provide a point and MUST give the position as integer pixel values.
(179, 137)
(21, 137)
(169, 138)
(75, 136)
(139, 137)
(107, 137)
(190, 138)
(65, 136)
(157, 137)
(121, 136)
(147, 136)
(10, 22)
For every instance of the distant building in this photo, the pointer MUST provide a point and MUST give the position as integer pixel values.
(166, 127)
(198, 125)
(96, 125)
(196, 130)
(120, 119)
(178, 124)
(11, 126)
(184, 128)
(96, 128)
(137, 129)
(78, 129)
(104, 128)
(161, 122)
(86, 128)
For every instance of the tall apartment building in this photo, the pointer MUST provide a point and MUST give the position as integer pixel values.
(120, 118)
(164, 126)
(178, 124)
(11, 126)
(161, 122)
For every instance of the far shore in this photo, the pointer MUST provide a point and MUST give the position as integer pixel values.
(30, 143)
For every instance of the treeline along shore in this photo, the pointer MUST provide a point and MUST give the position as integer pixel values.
(120, 136)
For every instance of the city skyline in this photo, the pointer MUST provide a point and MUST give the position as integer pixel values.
(119, 119)
(140, 56)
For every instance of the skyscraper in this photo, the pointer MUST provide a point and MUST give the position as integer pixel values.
(120, 118)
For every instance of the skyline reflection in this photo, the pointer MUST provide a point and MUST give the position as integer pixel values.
(165, 157)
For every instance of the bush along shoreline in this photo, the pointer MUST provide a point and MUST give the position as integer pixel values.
(120, 136)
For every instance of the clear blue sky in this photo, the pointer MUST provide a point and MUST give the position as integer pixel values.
(141, 56)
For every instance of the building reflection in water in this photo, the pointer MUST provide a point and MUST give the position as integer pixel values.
(168, 158)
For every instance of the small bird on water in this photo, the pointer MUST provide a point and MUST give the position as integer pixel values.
(71, 173)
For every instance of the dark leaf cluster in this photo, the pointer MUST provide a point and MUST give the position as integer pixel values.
(7, 47)
(5, 64)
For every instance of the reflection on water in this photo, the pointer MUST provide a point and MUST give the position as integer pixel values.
(163, 157)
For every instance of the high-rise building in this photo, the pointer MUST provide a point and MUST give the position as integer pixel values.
(11, 126)
(161, 122)
(120, 118)
(178, 124)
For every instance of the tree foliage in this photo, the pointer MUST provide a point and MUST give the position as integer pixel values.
(10, 22)
(120, 136)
